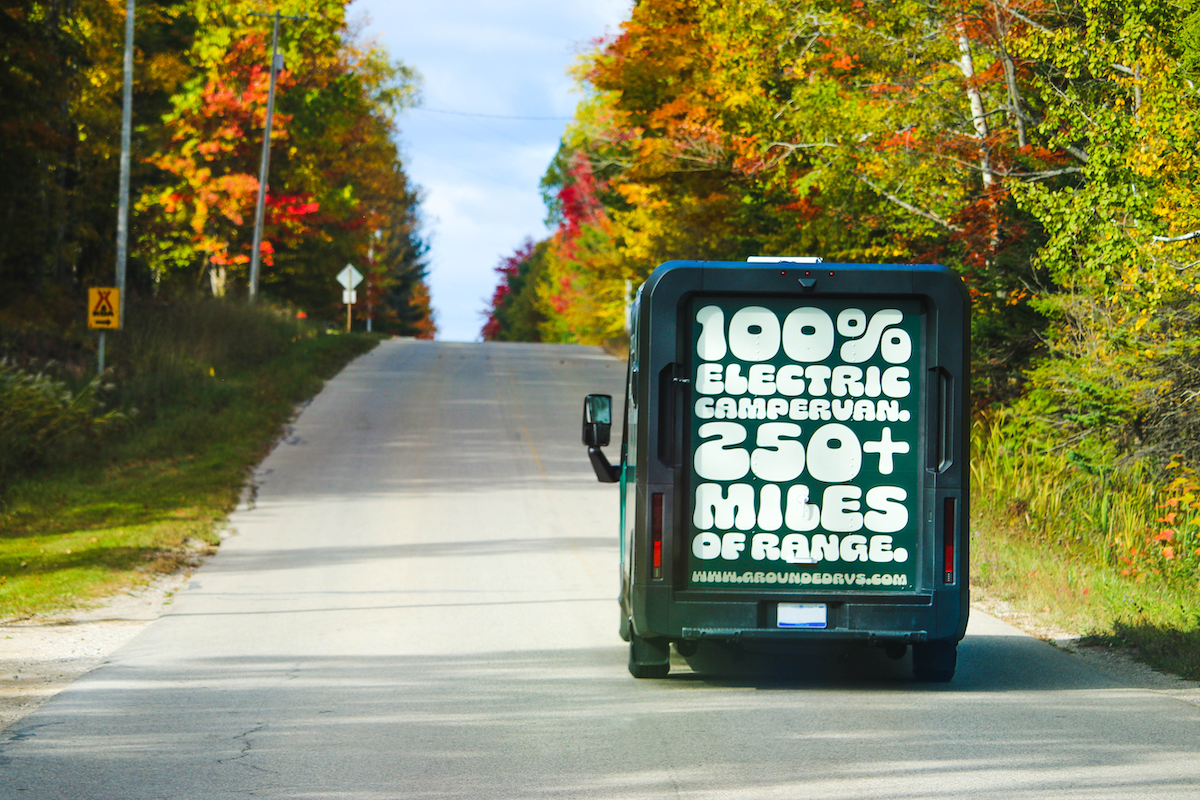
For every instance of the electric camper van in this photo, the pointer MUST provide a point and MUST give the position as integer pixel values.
(793, 460)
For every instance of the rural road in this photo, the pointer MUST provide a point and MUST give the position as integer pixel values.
(421, 605)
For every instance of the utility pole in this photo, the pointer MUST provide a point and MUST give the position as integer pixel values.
(123, 185)
(265, 165)
(370, 283)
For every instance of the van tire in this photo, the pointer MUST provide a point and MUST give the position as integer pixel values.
(649, 670)
(934, 662)
(649, 658)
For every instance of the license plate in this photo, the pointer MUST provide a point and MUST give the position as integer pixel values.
(802, 615)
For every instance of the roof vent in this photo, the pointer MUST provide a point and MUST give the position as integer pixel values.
(784, 259)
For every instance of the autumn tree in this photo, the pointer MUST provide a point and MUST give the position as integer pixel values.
(336, 186)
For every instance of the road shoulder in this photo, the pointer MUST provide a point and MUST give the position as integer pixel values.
(42, 655)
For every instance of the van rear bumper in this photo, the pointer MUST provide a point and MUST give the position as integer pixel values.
(910, 618)
(783, 634)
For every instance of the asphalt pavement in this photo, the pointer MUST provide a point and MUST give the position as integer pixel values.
(420, 603)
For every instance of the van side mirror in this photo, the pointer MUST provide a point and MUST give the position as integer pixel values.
(597, 420)
(597, 429)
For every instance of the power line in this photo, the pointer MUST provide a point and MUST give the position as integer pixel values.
(492, 116)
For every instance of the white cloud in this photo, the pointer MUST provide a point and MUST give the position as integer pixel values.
(480, 176)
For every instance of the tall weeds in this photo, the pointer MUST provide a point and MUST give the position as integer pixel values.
(174, 366)
(38, 412)
(181, 352)
(1133, 518)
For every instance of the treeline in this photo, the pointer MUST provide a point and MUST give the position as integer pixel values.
(1047, 151)
(337, 190)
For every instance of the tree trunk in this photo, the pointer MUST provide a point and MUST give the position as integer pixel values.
(978, 117)
(1010, 79)
(217, 279)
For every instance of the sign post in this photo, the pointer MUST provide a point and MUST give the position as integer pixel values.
(104, 313)
(349, 278)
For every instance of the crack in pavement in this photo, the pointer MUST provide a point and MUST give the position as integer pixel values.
(16, 735)
(247, 746)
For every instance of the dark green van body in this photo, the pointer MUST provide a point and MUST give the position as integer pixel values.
(794, 459)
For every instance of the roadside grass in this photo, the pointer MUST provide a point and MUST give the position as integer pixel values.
(1087, 551)
(111, 512)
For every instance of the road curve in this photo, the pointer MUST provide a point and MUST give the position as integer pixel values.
(420, 604)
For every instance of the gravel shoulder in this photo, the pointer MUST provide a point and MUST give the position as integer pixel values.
(40, 656)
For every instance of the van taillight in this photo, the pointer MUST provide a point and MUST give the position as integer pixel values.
(656, 530)
(948, 521)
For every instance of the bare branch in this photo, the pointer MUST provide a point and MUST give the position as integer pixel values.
(978, 118)
(1079, 154)
(1037, 176)
(1187, 237)
(1072, 100)
(793, 147)
(1026, 19)
(920, 212)
(1010, 80)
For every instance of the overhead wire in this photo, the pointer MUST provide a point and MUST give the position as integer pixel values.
(490, 116)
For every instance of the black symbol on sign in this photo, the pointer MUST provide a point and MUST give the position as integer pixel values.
(104, 306)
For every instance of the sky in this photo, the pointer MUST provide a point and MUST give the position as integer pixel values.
(479, 174)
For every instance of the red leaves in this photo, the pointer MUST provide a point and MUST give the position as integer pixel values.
(509, 268)
(580, 205)
(291, 207)
(845, 63)
(215, 160)
(902, 140)
(806, 208)
(1172, 546)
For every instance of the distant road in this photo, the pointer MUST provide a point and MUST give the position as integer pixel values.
(421, 604)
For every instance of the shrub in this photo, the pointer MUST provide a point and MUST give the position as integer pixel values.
(38, 413)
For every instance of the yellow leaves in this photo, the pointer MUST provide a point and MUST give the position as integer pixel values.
(582, 293)
(199, 216)
(736, 100)
(638, 194)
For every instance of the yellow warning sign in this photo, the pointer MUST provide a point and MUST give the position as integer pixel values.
(104, 308)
